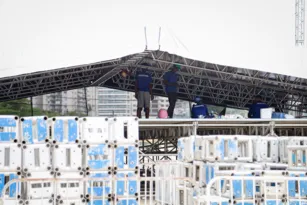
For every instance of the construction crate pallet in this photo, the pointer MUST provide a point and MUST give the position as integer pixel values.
(95, 160)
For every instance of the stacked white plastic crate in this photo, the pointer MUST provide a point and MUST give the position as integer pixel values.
(10, 154)
(67, 159)
(221, 155)
(246, 156)
(111, 152)
(97, 159)
(36, 158)
(125, 139)
(65, 149)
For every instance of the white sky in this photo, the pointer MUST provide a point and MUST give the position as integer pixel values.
(39, 35)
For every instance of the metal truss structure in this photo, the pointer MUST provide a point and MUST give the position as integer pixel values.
(299, 22)
(51, 81)
(216, 84)
(159, 137)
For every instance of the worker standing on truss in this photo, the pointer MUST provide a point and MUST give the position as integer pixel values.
(170, 80)
(255, 108)
(143, 91)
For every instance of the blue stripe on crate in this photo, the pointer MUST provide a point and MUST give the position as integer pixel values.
(237, 188)
(291, 186)
(232, 146)
(99, 202)
(12, 192)
(42, 129)
(72, 130)
(132, 157)
(303, 186)
(2, 182)
(7, 122)
(99, 191)
(100, 175)
(217, 203)
(127, 202)
(293, 158)
(293, 202)
(97, 150)
(273, 202)
(7, 136)
(59, 130)
(98, 164)
(245, 203)
(207, 173)
(221, 148)
(119, 157)
(249, 187)
(120, 187)
(27, 131)
(132, 186)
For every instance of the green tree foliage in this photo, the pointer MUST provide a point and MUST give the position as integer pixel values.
(22, 108)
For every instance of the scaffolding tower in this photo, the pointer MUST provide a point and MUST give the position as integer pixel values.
(299, 22)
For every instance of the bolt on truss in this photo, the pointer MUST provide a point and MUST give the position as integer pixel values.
(299, 22)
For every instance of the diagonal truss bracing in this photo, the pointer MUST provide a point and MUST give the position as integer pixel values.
(220, 85)
(217, 84)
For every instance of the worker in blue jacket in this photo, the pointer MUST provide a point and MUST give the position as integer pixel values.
(255, 108)
(143, 91)
(199, 109)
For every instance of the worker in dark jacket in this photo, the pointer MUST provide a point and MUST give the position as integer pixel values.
(199, 110)
(143, 91)
(255, 108)
(170, 80)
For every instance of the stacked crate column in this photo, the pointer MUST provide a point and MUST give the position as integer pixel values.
(67, 159)
(36, 149)
(10, 155)
(124, 136)
(97, 160)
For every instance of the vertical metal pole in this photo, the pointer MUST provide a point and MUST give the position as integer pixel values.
(145, 38)
(190, 106)
(159, 38)
(85, 97)
(31, 106)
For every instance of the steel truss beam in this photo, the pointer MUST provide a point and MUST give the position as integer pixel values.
(217, 84)
(40, 83)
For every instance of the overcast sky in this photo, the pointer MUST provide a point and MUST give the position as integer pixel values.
(258, 34)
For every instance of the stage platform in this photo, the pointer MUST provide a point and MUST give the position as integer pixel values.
(159, 136)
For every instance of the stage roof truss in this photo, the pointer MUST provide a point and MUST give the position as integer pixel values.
(217, 84)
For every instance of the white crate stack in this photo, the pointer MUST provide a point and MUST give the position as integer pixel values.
(67, 158)
(66, 150)
(111, 152)
(124, 137)
(10, 154)
(97, 158)
(36, 158)
(240, 155)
